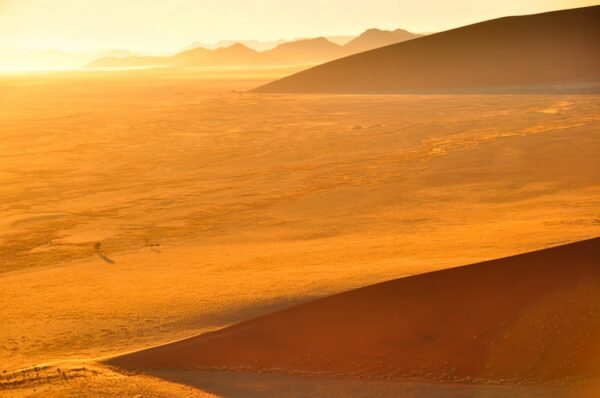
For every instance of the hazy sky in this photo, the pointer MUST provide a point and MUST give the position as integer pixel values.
(167, 25)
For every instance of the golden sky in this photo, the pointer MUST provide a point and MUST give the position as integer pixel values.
(168, 25)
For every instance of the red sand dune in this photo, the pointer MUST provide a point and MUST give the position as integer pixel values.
(550, 48)
(534, 317)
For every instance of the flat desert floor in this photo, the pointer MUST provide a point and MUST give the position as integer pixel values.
(141, 208)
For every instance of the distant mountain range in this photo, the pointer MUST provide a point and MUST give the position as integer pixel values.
(260, 45)
(241, 54)
(554, 48)
(257, 45)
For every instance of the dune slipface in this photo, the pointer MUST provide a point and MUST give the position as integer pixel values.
(533, 317)
(558, 47)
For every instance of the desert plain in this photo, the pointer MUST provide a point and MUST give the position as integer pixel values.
(141, 208)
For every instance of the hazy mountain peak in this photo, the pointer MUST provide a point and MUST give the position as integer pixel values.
(257, 45)
(374, 38)
(238, 48)
(317, 41)
(372, 31)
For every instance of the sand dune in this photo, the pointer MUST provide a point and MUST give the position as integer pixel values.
(533, 317)
(260, 202)
(550, 48)
(168, 232)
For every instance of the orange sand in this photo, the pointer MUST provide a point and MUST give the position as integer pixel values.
(258, 203)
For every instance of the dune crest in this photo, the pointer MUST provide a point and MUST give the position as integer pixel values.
(533, 317)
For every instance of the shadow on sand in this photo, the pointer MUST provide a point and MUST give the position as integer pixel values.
(253, 385)
(106, 259)
(103, 257)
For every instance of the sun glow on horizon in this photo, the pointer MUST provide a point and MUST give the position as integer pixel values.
(66, 34)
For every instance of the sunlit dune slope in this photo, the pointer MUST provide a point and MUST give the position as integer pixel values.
(533, 316)
(550, 48)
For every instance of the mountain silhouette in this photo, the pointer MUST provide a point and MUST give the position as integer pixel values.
(297, 52)
(304, 51)
(374, 38)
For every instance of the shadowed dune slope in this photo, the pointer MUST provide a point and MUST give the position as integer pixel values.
(550, 48)
(534, 317)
